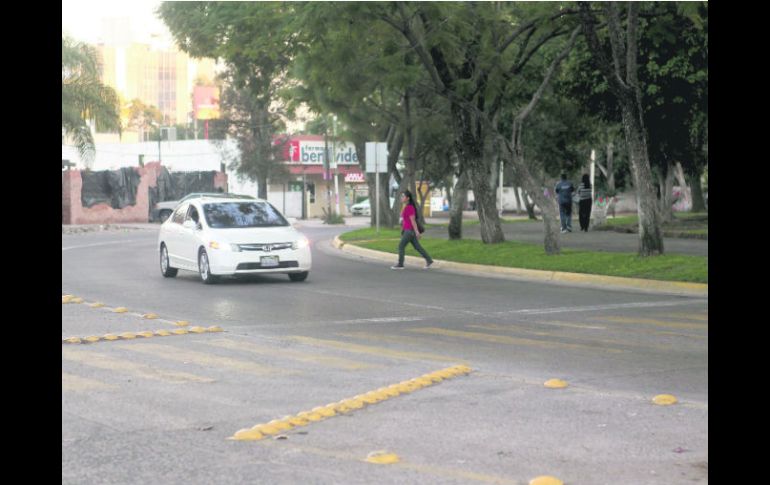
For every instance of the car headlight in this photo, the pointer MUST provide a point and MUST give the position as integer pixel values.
(224, 246)
(300, 243)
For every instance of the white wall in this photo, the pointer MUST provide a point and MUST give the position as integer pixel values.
(176, 156)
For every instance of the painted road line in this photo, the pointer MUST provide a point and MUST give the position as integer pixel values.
(68, 248)
(687, 316)
(370, 350)
(102, 361)
(71, 382)
(319, 413)
(207, 360)
(505, 328)
(656, 323)
(592, 308)
(502, 339)
(334, 362)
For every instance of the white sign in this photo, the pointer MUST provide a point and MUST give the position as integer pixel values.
(376, 153)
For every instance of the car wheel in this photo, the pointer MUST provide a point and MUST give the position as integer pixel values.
(164, 214)
(165, 265)
(299, 276)
(204, 268)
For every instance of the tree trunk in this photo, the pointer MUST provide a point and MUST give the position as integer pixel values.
(518, 199)
(698, 204)
(459, 199)
(529, 204)
(650, 234)
(666, 185)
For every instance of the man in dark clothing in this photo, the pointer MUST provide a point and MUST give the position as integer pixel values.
(565, 189)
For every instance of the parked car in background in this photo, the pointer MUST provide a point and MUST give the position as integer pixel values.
(217, 236)
(162, 210)
(363, 208)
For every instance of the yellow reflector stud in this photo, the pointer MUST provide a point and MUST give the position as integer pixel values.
(150, 316)
(128, 335)
(92, 338)
(96, 305)
(162, 333)
(664, 399)
(197, 329)
(73, 340)
(214, 328)
(180, 331)
(120, 309)
(145, 334)
(545, 480)
(110, 336)
(76, 300)
(555, 384)
(247, 435)
(324, 411)
(382, 458)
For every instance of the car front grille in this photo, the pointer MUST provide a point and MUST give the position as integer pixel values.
(267, 247)
(282, 264)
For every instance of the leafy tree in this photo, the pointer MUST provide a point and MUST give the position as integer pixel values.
(84, 97)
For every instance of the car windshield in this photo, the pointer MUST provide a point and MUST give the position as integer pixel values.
(230, 215)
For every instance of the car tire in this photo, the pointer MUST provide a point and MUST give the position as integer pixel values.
(299, 276)
(165, 264)
(164, 215)
(204, 269)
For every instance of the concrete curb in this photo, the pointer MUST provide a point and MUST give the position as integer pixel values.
(559, 277)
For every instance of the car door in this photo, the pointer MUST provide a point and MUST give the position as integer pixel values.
(190, 237)
(174, 237)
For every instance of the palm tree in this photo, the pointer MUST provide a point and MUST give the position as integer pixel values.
(84, 97)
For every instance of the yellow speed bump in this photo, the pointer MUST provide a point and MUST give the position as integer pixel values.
(66, 298)
(145, 334)
(180, 331)
(545, 480)
(110, 336)
(76, 300)
(247, 434)
(128, 335)
(347, 405)
(120, 309)
(382, 457)
(197, 329)
(555, 384)
(214, 328)
(92, 338)
(96, 305)
(150, 316)
(73, 340)
(664, 399)
(162, 333)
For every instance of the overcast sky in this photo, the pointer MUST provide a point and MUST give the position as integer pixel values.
(82, 19)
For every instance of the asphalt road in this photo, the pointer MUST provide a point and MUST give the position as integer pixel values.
(161, 409)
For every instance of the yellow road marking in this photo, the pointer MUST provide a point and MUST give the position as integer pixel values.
(200, 358)
(367, 349)
(492, 326)
(688, 316)
(101, 361)
(71, 382)
(336, 362)
(502, 339)
(657, 323)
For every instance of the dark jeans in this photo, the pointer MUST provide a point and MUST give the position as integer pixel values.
(584, 212)
(410, 237)
(565, 214)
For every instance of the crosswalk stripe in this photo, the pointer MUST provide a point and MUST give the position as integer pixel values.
(336, 362)
(378, 351)
(502, 339)
(102, 361)
(655, 322)
(71, 382)
(205, 359)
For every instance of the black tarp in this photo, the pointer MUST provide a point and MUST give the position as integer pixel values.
(175, 185)
(114, 187)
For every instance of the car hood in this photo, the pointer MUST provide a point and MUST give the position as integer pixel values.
(255, 235)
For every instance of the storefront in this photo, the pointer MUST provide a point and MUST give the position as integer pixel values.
(335, 187)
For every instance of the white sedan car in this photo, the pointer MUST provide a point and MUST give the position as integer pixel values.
(217, 236)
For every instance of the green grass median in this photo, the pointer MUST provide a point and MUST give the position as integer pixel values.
(513, 254)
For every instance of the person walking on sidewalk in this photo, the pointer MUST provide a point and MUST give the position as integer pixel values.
(565, 189)
(409, 232)
(584, 201)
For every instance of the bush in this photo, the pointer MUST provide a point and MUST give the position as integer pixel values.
(332, 218)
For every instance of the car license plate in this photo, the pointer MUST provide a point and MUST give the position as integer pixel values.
(269, 261)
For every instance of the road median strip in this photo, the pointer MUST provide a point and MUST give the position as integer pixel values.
(264, 430)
